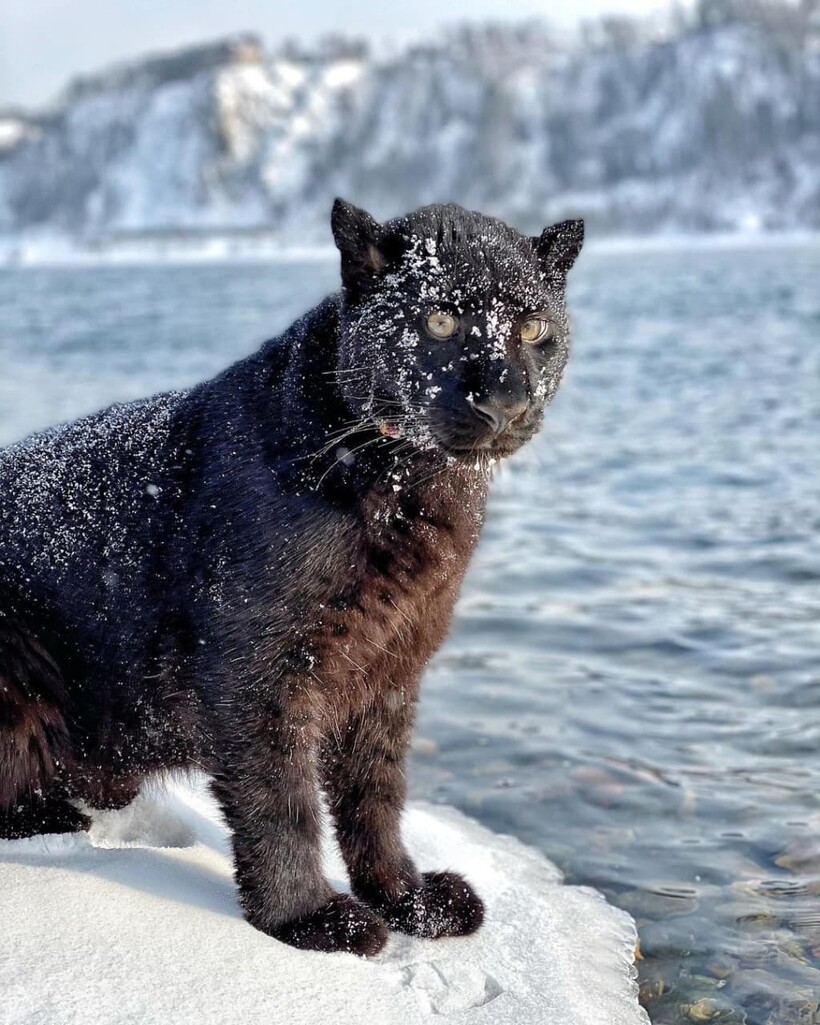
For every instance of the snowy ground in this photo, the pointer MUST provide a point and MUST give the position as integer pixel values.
(139, 924)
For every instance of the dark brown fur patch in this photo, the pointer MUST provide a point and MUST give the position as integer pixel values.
(34, 741)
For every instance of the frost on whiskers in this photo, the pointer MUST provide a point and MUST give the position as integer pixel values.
(75, 491)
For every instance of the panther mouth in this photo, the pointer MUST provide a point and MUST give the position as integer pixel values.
(429, 440)
(467, 450)
(390, 430)
(478, 453)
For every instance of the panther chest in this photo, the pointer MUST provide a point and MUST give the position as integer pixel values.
(382, 630)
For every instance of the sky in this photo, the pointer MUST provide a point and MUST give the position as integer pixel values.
(43, 43)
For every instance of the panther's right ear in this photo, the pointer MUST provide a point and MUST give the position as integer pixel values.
(357, 236)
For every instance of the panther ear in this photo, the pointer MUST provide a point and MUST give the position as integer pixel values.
(559, 245)
(357, 236)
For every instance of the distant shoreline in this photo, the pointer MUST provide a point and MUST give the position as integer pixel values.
(216, 249)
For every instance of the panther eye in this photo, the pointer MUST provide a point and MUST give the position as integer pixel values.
(537, 329)
(441, 325)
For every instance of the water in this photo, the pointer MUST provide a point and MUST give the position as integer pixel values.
(633, 682)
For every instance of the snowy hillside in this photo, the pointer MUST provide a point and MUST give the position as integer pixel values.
(140, 924)
(707, 127)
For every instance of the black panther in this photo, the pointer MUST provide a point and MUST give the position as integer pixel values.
(249, 577)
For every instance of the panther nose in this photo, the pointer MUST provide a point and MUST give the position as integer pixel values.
(498, 413)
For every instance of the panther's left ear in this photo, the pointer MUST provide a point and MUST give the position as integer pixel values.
(357, 236)
(559, 245)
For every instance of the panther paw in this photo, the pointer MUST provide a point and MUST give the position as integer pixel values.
(443, 904)
(342, 924)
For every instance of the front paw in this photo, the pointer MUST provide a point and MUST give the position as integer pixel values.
(443, 904)
(343, 924)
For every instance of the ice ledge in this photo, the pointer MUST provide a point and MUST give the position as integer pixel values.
(140, 923)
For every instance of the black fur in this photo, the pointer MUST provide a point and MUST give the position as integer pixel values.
(251, 576)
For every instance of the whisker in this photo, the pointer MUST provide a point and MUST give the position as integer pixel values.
(349, 370)
(378, 400)
(348, 452)
(337, 439)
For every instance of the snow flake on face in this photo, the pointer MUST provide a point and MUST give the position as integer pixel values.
(433, 263)
(499, 328)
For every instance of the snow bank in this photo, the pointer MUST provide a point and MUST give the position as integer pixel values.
(56, 251)
(139, 923)
(48, 249)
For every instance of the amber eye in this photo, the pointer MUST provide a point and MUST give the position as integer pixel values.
(537, 329)
(441, 325)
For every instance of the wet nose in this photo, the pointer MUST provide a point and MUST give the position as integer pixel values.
(498, 413)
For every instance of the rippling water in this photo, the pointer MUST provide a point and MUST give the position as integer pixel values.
(633, 682)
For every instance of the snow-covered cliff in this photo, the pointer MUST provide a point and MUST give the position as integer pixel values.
(712, 127)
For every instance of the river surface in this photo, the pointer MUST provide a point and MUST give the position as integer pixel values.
(633, 680)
